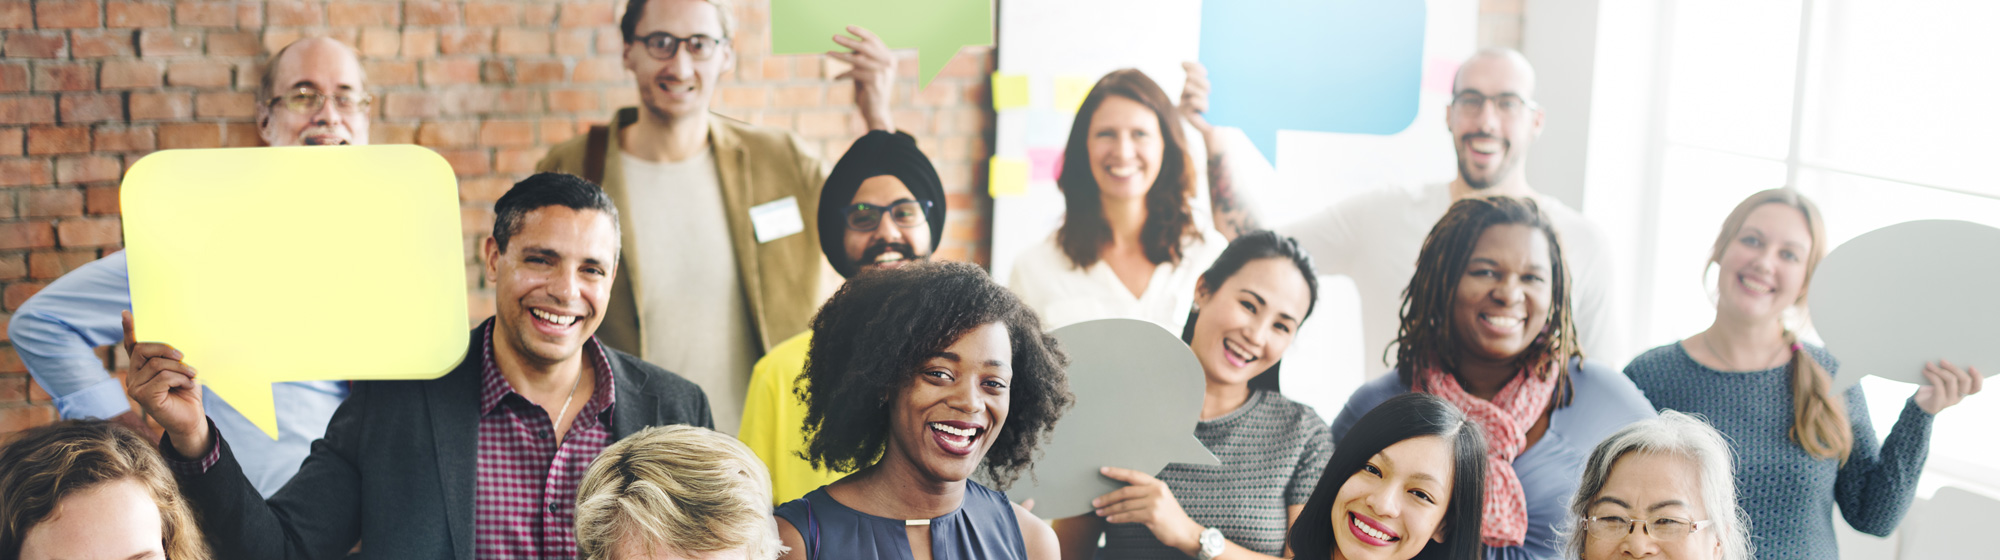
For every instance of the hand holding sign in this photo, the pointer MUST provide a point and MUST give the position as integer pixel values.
(1885, 307)
(266, 265)
(936, 28)
(165, 388)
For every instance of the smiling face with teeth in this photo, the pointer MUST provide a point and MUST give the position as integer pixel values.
(1492, 144)
(1396, 504)
(1125, 150)
(888, 245)
(681, 86)
(1503, 298)
(1766, 264)
(1246, 324)
(551, 282)
(948, 415)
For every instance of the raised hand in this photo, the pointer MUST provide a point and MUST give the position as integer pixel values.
(1949, 384)
(1194, 98)
(165, 389)
(873, 72)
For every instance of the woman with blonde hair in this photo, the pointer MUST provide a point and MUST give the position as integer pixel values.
(673, 492)
(91, 489)
(1802, 447)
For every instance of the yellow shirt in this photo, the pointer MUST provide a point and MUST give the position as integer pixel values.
(774, 421)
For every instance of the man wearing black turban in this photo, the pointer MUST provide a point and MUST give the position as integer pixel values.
(882, 207)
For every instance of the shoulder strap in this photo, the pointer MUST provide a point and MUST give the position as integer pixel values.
(812, 524)
(593, 153)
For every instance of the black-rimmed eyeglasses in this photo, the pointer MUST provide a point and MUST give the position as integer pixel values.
(905, 213)
(663, 46)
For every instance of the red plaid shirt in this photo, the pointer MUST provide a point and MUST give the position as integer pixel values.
(524, 504)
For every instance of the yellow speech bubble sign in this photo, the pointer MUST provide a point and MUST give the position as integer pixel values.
(267, 265)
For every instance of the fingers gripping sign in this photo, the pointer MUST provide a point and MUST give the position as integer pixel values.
(1147, 501)
(166, 390)
(1947, 385)
(874, 74)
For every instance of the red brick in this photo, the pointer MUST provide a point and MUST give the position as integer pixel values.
(465, 41)
(92, 107)
(13, 77)
(70, 76)
(621, 97)
(442, 71)
(198, 73)
(136, 15)
(205, 14)
(275, 39)
(349, 13)
(225, 105)
(46, 140)
(555, 131)
(574, 42)
(27, 110)
(289, 13)
(507, 133)
(52, 203)
(823, 123)
(746, 97)
(160, 42)
(430, 13)
(12, 267)
(492, 14)
(587, 14)
(36, 44)
(419, 42)
(484, 189)
(600, 70)
(250, 14)
(517, 161)
(13, 387)
(19, 418)
(190, 135)
(523, 41)
(50, 265)
(100, 43)
(538, 71)
(574, 100)
(17, 14)
(410, 105)
(801, 96)
(241, 135)
(161, 106)
(88, 232)
(467, 163)
(130, 74)
(448, 134)
(611, 41)
(539, 14)
(392, 133)
(87, 169)
(391, 72)
(379, 42)
(11, 141)
(66, 14)
(103, 199)
(35, 392)
(234, 44)
(26, 235)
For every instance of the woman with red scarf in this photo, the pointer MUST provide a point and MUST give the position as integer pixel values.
(1486, 325)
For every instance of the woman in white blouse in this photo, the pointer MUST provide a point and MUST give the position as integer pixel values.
(1129, 246)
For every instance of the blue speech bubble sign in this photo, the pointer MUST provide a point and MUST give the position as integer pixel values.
(1350, 66)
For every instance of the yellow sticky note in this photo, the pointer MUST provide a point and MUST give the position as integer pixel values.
(1070, 91)
(1006, 176)
(1010, 91)
(266, 265)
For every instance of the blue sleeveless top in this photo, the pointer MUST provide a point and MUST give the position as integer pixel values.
(982, 528)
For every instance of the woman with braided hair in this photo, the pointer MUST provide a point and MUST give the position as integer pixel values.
(1487, 326)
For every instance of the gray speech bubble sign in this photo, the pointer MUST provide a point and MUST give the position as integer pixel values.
(1138, 397)
(1894, 298)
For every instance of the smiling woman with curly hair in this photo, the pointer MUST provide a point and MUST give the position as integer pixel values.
(918, 376)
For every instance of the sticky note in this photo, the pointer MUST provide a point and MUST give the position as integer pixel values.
(1006, 176)
(266, 265)
(1885, 307)
(1070, 91)
(1010, 91)
(936, 28)
(1351, 66)
(1044, 164)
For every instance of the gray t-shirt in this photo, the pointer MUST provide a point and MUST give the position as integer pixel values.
(696, 316)
(1273, 451)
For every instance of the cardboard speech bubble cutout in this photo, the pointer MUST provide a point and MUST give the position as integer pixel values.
(936, 28)
(266, 265)
(1894, 298)
(1138, 397)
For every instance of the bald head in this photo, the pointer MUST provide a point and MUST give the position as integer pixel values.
(313, 65)
(1497, 65)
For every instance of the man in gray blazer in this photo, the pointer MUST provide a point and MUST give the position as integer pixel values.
(481, 463)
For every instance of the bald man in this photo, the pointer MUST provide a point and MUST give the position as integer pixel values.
(1374, 237)
(313, 95)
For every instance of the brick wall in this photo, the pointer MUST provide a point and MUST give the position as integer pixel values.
(87, 87)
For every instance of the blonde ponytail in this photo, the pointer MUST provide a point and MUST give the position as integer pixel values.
(1819, 419)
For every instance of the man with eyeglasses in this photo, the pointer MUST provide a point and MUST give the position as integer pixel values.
(313, 95)
(882, 207)
(721, 247)
(1374, 237)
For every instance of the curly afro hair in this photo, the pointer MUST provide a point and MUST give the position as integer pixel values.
(878, 331)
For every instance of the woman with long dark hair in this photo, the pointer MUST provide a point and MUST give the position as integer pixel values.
(1129, 245)
(1407, 482)
(1487, 326)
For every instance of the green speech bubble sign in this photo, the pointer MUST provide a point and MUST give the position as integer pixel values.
(936, 28)
(267, 265)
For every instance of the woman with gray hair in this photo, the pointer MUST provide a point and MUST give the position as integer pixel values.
(1659, 488)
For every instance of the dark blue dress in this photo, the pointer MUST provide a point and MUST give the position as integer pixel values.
(982, 528)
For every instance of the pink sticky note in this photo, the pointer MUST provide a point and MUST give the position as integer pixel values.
(1044, 164)
(1438, 75)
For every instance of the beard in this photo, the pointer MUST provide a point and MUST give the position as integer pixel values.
(879, 247)
(1506, 166)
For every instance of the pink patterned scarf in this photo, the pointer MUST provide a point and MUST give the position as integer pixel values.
(1506, 420)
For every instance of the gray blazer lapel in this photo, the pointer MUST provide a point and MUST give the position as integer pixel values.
(453, 401)
(635, 409)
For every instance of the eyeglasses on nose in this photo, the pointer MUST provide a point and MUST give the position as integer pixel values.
(663, 46)
(306, 101)
(905, 213)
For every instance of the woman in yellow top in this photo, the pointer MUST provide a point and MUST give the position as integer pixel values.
(882, 207)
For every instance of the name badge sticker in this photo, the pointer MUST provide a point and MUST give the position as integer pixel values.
(777, 219)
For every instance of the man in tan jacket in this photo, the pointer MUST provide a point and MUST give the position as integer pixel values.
(721, 247)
